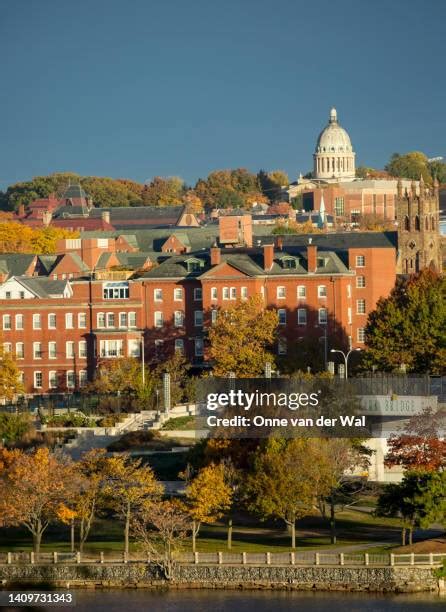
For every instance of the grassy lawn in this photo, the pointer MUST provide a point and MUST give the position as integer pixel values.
(180, 423)
(249, 535)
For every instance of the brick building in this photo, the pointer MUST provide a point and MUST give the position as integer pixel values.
(61, 324)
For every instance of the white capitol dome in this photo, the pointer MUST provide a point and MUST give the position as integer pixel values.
(334, 158)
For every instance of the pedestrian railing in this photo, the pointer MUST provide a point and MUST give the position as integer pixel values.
(230, 558)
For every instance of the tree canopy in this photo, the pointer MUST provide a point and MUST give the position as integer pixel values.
(241, 338)
(229, 189)
(409, 326)
(415, 164)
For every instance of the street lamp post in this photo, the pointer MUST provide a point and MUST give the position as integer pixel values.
(346, 356)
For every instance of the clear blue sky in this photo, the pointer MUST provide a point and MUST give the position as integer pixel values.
(140, 88)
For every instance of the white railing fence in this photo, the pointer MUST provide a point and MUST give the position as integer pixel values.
(228, 558)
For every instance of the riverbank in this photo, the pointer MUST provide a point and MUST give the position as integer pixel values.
(409, 579)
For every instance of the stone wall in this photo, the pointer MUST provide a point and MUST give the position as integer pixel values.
(396, 579)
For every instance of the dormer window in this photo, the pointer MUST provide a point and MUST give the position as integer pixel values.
(322, 262)
(193, 265)
(289, 262)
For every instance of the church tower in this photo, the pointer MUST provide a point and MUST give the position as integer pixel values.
(418, 228)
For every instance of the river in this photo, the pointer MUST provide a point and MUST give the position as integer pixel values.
(248, 601)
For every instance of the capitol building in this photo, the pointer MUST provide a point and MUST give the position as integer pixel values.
(334, 158)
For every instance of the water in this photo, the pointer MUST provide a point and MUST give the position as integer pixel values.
(248, 601)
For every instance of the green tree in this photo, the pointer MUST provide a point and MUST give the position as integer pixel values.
(241, 337)
(418, 501)
(237, 188)
(13, 427)
(411, 165)
(288, 478)
(409, 326)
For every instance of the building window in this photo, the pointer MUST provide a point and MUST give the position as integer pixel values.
(361, 334)
(322, 316)
(178, 318)
(349, 291)
(38, 380)
(37, 321)
(51, 321)
(158, 295)
(226, 293)
(179, 346)
(360, 306)
(82, 320)
(6, 322)
(301, 316)
(69, 349)
(282, 346)
(69, 320)
(110, 319)
(83, 378)
(282, 316)
(360, 282)
(111, 348)
(158, 318)
(233, 293)
(7, 347)
(198, 294)
(198, 318)
(19, 321)
(52, 379)
(83, 348)
(214, 293)
(71, 379)
(20, 350)
(322, 291)
(122, 319)
(301, 292)
(214, 313)
(22, 377)
(360, 261)
(7, 295)
(52, 350)
(281, 293)
(178, 294)
(134, 347)
(198, 347)
(244, 293)
(339, 207)
(132, 319)
(100, 317)
(22, 295)
(37, 350)
(116, 291)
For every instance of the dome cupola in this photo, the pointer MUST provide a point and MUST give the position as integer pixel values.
(334, 158)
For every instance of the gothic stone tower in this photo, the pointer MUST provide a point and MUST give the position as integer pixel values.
(418, 228)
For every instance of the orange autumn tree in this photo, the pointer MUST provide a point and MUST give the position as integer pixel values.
(208, 497)
(18, 238)
(32, 489)
(10, 384)
(419, 446)
(241, 338)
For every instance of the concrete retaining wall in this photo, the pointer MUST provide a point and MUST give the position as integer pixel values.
(396, 579)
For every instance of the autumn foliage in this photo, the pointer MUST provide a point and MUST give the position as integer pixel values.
(18, 238)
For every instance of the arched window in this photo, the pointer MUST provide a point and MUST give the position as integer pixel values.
(406, 223)
(426, 223)
(417, 223)
(432, 223)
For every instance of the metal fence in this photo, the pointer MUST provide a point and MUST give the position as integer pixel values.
(228, 558)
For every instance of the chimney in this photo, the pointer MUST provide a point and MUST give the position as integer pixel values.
(279, 242)
(215, 255)
(311, 256)
(46, 217)
(21, 211)
(105, 215)
(268, 256)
